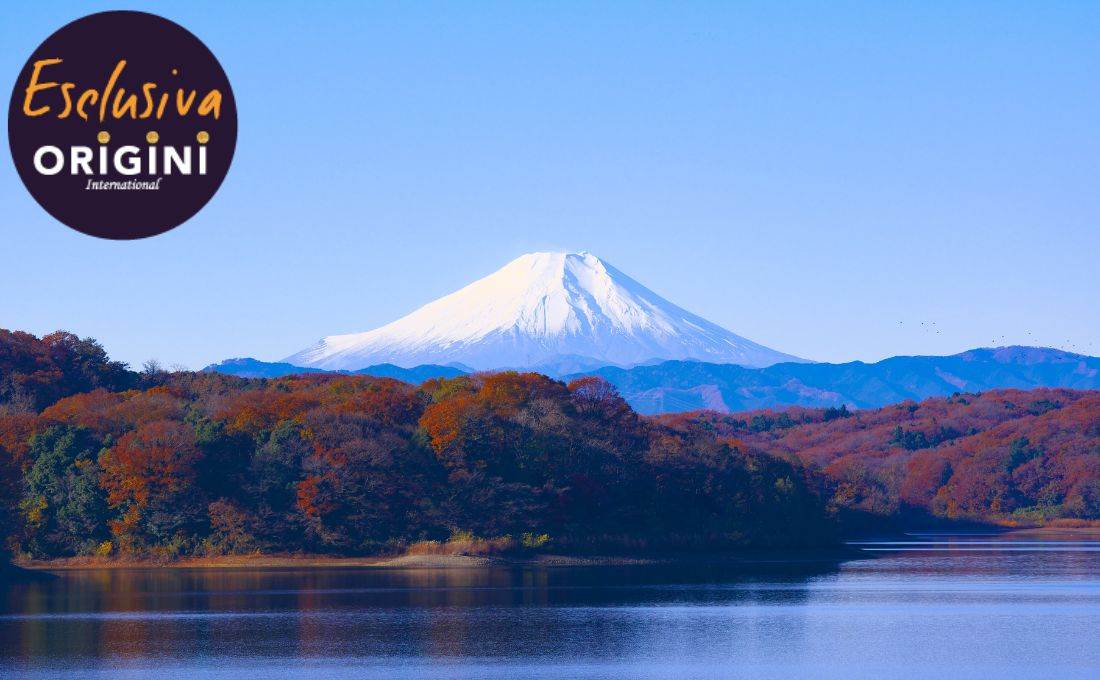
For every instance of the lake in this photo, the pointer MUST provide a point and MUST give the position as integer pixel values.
(920, 605)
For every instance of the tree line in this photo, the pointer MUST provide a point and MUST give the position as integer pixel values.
(98, 459)
(180, 463)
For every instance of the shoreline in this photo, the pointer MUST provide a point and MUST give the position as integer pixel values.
(432, 561)
(317, 562)
(842, 551)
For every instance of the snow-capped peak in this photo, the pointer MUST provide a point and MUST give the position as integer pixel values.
(538, 310)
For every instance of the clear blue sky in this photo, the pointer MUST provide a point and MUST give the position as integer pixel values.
(807, 176)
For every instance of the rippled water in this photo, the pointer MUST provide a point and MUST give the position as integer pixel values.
(922, 605)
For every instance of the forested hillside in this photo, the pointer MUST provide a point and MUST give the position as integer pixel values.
(1009, 455)
(202, 463)
(97, 459)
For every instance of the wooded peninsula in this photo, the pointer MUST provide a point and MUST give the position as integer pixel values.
(100, 460)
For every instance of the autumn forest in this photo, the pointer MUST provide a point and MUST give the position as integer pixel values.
(97, 459)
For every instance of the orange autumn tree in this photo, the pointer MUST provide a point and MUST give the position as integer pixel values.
(366, 478)
(36, 372)
(149, 477)
(501, 438)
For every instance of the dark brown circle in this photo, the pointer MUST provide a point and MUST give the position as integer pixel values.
(157, 51)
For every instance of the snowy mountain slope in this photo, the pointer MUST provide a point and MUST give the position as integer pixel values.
(539, 310)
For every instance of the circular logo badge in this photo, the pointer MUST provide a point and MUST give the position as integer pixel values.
(122, 125)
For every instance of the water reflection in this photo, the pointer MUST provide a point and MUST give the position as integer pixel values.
(930, 602)
(451, 612)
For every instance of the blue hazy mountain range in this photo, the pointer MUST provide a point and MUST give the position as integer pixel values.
(254, 368)
(673, 386)
(685, 386)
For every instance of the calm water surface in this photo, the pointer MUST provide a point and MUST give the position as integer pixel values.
(923, 605)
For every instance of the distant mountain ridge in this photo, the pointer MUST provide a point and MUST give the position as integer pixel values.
(674, 386)
(254, 368)
(551, 312)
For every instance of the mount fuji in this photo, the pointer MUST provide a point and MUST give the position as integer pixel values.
(554, 312)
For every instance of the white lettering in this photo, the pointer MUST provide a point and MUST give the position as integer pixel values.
(59, 160)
